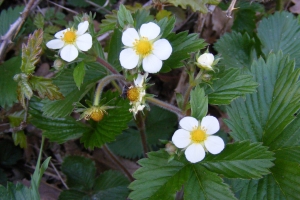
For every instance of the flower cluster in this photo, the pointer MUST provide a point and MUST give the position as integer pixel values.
(196, 138)
(70, 41)
(144, 47)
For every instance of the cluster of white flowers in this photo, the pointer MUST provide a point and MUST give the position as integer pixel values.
(196, 138)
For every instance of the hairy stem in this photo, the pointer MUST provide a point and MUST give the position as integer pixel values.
(187, 96)
(140, 122)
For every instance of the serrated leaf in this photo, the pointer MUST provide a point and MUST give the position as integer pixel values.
(78, 74)
(166, 26)
(73, 194)
(160, 124)
(124, 17)
(39, 21)
(237, 50)
(80, 172)
(241, 160)
(67, 86)
(115, 47)
(111, 125)
(182, 44)
(141, 16)
(204, 184)
(198, 5)
(8, 17)
(57, 130)
(111, 185)
(31, 52)
(229, 85)
(109, 23)
(280, 32)
(158, 178)
(45, 87)
(8, 87)
(199, 103)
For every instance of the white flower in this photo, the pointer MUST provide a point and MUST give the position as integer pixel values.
(136, 94)
(205, 61)
(197, 137)
(70, 41)
(145, 47)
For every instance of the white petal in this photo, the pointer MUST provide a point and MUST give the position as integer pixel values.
(84, 42)
(82, 27)
(162, 49)
(69, 53)
(128, 58)
(214, 144)
(152, 64)
(129, 36)
(206, 59)
(139, 80)
(194, 153)
(181, 138)
(210, 124)
(150, 30)
(61, 34)
(55, 44)
(188, 123)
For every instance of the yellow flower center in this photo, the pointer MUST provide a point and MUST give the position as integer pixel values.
(133, 94)
(97, 115)
(198, 135)
(143, 47)
(70, 37)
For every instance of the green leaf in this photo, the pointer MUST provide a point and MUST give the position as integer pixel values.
(280, 32)
(24, 90)
(182, 44)
(160, 124)
(19, 137)
(45, 87)
(111, 125)
(204, 184)
(8, 87)
(57, 130)
(39, 21)
(65, 81)
(272, 108)
(166, 26)
(241, 160)
(78, 74)
(111, 185)
(80, 172)
(199, 5)
(9, 153)
(15, 192)
(142, 16)
(31, 52)
(124, 17)
(115, 47)
(229, 85)
(199, 103)
(157, 178)
(73, 194)
(8, 17)
(109, 23)
(237, 50)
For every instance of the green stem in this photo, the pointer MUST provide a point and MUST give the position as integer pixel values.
(38, 163)
(107, 65)
(140, 122)
(102, 83)
(166, 106)
(279, 5)
(187, 96)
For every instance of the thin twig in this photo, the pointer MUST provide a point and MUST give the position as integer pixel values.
(15, 27)
(115, 159)
(68, 9)
(99, 7)
(140, 122)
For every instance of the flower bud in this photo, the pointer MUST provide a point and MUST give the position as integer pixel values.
(58, 64)
(205, 61)
(170, 148)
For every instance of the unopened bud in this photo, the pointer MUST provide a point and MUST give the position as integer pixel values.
(205, 61)
(170, 148)
(58, 64)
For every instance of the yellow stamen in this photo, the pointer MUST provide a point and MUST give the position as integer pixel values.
(133, 94)
(69, 37)
(143, 47)
(198, 135)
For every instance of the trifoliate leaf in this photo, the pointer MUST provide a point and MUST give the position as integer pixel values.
(182, 44)
(8, 87)
(8, 17)
(198, 5)
(45, 87)
(111, 185)
(109, 23)
(280, 32)
(159, 124)
(241, 160)
(57, 130)
(157, 178)
(204, 184)
(31, 52)
(228, 85)
(68, 88)
(199, 103)
(78, 74)
(237, 50)
(80, 172)
(111, 125)
(124, 17)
